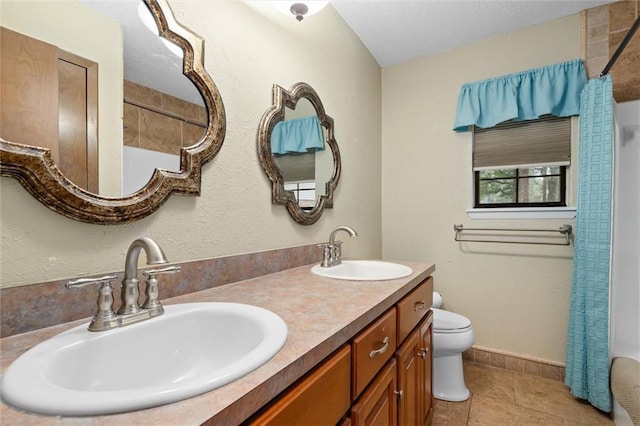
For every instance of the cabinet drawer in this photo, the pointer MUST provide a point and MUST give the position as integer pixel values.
(320, 398)
(371, 350)
(379, 404)
(413, 307)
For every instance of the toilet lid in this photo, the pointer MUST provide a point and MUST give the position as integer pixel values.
(445, 320)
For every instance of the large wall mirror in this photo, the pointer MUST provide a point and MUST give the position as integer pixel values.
(106, 107)
(297, 150)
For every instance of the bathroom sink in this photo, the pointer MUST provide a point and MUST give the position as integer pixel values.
(191, 349)
(363, 270)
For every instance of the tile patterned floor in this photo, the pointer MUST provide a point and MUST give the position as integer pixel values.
(501, 397)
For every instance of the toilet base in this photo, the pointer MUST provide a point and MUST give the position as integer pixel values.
(448, 379)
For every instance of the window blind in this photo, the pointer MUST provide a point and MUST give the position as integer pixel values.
(546, 141)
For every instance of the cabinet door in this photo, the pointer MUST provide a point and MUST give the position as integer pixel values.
(410, 384)
(426, 364)
(321, 398)
(378, 404)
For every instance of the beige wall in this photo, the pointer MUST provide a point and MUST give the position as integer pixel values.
(516, 296)
(75, 28)
(247, 51)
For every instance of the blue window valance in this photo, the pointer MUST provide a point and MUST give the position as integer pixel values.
(527, 95)
(297, 135)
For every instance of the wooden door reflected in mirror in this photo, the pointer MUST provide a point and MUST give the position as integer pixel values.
(50, 99)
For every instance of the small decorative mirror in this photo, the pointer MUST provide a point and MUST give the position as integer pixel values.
(165, 118)
(297, 150)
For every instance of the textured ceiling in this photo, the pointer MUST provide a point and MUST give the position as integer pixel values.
(395, 31)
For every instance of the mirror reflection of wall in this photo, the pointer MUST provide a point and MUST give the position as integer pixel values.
(145, 108)
(304, 173)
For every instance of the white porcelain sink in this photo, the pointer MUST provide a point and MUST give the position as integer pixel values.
(364, 270)
(191, 349)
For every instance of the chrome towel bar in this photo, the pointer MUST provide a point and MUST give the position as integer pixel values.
(565, 230)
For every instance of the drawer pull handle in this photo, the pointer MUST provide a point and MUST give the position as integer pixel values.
(383, 348)
(419, 305)
(399, 394)
(423, 353)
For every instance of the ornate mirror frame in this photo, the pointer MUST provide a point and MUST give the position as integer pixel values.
(282, 99)
(34, 168)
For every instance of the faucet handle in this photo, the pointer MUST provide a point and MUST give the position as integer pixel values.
(326, 254)
(152, 303)
(336, 253)
(83, 282)
(105, 318)
(168, 270)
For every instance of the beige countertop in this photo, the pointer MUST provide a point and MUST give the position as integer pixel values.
(321, 315)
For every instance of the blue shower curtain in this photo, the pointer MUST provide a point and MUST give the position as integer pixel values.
(587, 370)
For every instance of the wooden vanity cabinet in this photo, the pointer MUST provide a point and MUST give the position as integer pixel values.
(411, 367)
(412, 386)
(381, 377)
(322, 397)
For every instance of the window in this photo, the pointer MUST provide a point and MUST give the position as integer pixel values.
(305, 193)
(533, 187)
(522, 164)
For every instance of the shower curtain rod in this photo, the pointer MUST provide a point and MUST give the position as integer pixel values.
(621, 46)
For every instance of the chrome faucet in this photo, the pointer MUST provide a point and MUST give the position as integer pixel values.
(332, 251)
(130, 310)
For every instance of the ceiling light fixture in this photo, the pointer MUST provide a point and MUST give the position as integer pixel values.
(299, 9)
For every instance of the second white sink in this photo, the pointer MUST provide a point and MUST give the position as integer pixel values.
(364, 270)
(191, 349)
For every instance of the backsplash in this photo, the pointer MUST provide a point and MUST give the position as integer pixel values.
(36, 306)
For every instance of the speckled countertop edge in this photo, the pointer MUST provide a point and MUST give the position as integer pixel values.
(321, 315)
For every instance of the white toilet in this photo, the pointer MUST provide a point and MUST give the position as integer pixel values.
(452, 335)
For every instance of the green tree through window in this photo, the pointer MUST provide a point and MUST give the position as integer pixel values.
(533, 187)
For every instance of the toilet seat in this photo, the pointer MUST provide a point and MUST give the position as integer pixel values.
(449, 322)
